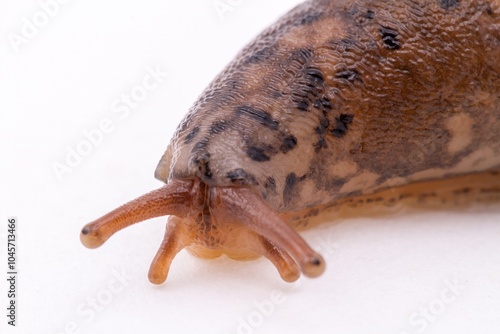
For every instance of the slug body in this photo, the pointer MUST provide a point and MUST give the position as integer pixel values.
(337, 99)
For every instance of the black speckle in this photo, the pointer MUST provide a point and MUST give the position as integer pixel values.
(289, 191)
(338, 183)
(291, 179)
(313, 213)
(350, 75)
(202, 163)
(370, 14)
(315, 74)
(289, 143)
(361, 16)
(240, 176)
(270, 185)
(261, 116)
(302, 55)
(201, 145)
(321, 130)
(341, 125)
(308, 88)
(390, 38)
(339, 130)
(257, 154)
(310, 18)
(189, 138)
(325, 103)
(346, 118)
(320, 144)
(234, 84)
(447, 4)
(354, 193)
(260, 55)
(218, 126)
(303, 105)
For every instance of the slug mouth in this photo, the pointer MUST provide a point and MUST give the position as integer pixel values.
(241, 219)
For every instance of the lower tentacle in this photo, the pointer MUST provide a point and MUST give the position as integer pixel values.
(243, 206)
(286, 266)
(173, 242)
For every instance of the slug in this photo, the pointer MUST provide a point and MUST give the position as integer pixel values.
(338, 102)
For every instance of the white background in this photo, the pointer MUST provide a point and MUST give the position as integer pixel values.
(384, 275)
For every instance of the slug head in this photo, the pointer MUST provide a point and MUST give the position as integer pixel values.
(211, 221)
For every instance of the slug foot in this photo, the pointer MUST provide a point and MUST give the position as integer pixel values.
(209, 222)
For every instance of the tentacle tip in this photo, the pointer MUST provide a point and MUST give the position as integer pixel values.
(156, 280)
(291, 277)
(90, 238)
(156, 277)
(313, 266)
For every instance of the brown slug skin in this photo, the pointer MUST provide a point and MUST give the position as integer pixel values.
(336, 100)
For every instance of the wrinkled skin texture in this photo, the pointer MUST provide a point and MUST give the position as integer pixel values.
(338, 99)
(423, 105)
